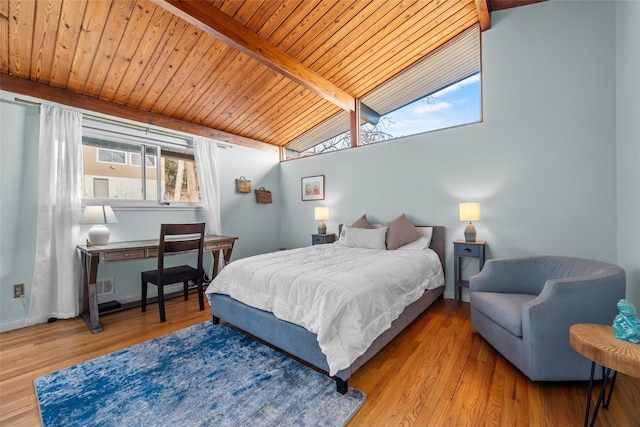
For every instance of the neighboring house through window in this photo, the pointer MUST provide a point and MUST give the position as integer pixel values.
(113, 172)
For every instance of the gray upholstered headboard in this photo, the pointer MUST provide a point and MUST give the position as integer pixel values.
(438, 243)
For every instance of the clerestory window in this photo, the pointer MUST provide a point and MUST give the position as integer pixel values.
(441, 91)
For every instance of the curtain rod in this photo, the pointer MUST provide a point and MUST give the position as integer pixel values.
(132, 125)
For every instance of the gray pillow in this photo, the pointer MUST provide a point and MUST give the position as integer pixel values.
(400, 232)
(362, 222)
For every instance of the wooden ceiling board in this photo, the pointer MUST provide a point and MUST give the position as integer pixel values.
(94, 22)
(139, 54)
(137, 24)
(399, 43)
(160, 59)
(4, 36)
(21, 38)
(413, 51)
(259, 76)
(161, 26)
(45, 33)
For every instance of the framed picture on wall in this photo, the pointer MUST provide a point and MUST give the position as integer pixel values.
(312, 187)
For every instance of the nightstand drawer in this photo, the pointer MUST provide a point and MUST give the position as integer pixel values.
(321, 239)
(467, 250)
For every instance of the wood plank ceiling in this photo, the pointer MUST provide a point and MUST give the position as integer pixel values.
(248, 72)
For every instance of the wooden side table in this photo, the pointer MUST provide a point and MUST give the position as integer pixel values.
(598, 344)
(463, 249)
(321, 239)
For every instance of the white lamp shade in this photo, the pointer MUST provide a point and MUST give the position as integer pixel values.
(470, 211)
(321, 213)
(98, 214)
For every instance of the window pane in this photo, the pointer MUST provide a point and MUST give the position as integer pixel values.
(106, 173)
(454, 105)
(180, 181)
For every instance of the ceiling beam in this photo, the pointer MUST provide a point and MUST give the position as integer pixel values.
(484, 17)
(84, 102)
(369, 115)
(508, 4)
(216, 23)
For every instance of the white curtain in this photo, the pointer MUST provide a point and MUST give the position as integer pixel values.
(206, 157)
(55, 291)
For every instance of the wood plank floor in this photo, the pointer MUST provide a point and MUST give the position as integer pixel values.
(439, 372)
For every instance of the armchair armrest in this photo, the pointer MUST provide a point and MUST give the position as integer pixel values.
(562, 303)
(510, 275)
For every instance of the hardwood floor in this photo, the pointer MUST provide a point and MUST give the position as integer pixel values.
(439, 372)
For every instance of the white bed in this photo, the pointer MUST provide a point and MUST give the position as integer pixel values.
(346, 298)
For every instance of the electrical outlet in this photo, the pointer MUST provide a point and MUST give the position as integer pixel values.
(18, 290)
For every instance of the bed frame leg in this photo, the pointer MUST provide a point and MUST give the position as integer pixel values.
(216, 320)
(342, 385)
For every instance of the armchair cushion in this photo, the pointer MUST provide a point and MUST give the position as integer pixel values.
(503, 309)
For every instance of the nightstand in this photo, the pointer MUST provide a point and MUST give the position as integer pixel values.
(465, 249)
(321, 239)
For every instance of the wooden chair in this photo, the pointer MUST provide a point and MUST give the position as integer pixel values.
(176, 238)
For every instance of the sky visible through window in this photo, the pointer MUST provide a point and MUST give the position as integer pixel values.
(454, 105)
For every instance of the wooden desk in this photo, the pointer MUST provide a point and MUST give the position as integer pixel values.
(131, 251)
(598, 344)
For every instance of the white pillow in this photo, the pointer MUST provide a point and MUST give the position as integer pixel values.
(423, 242)
(365, 238)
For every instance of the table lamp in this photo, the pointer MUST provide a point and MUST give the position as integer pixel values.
(99, 216)
(321, 214)
(470, 212)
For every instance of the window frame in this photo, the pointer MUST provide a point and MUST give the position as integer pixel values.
(455, 61)
(145, 140)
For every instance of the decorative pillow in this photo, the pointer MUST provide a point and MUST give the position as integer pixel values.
(423, 242)
(362, 222)
(365, 238)
(401, 232)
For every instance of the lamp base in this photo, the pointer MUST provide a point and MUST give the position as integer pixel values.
(99, 234)
(470, 233)
(322, 228)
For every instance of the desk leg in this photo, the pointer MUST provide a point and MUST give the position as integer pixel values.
(90, 312)
(216, 260)
(601, 397)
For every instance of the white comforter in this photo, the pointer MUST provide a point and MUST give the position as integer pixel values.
(347, 296)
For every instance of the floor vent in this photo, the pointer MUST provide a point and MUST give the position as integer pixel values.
(106, 286)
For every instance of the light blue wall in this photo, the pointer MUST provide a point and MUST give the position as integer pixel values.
(542, 163)
(628, 139)
(241, 215)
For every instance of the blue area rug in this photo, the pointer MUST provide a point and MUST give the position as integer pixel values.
(204, 375)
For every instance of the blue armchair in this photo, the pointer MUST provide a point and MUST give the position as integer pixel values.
(524, 308)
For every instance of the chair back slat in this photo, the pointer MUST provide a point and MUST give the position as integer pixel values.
(176, 238)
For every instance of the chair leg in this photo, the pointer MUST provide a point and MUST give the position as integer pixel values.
(163, 318)
(200, 295)
(143, 303)
(185, 287)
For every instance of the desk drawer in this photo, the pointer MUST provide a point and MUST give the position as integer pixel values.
(124, 255)
(210, 246)
(152, 252)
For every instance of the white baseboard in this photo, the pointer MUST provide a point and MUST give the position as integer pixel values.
(13, 324)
